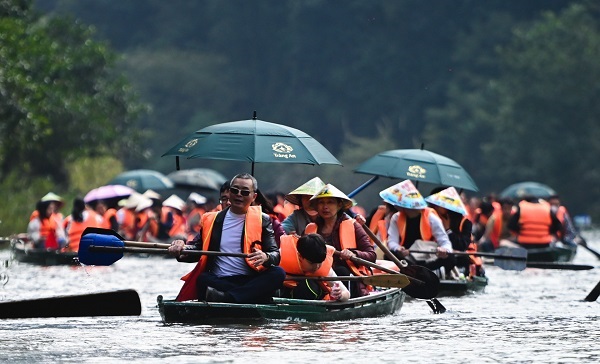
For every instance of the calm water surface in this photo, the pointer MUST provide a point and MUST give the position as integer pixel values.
(534, 316)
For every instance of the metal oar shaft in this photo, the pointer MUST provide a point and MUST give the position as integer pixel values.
(500, 256)
(126, 249)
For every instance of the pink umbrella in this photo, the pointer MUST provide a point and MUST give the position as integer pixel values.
(106, 192)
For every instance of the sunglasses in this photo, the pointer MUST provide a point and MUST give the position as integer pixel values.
(236, 191)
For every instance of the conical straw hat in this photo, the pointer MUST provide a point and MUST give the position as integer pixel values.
(309, 188)
(197, 198)
(152, 194)
(404, 194)
(448, 199)
(330, 190)
(51, 196)
(133, 200)
(143, 204)
(175, 202)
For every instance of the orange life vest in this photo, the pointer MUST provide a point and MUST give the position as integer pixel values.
(496, 229)
(74, 229)
(178, 227)
(48, 229)
(424, 228)
(252, 233)
(127, 225)
(534, 221)
(108, 214)
(347, 241)
(290, 263)
(147, 224)
(375, 225)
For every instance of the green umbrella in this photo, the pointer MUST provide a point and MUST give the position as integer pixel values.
(418, 165)
(529, 188)
(254, 141)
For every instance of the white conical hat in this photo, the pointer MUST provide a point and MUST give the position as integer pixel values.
(133, 200)
(143, 204)
(197, 198)
(330, 190)
(309, 188)
(152, 194)
(404, 194)
(175, 202)
(51, 196)
(448, 199)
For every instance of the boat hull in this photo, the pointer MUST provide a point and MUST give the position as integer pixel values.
(551, 254)
(22, 253)
(462, 287)
(195, 312)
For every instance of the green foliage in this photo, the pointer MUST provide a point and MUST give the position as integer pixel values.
(88, 173)
(19, 196)
(61, 98)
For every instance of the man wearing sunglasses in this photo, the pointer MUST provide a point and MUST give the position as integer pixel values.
(239, 228)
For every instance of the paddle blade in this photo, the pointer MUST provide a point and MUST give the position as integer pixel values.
(99, 258)
(511, 258)
(429, 287)
(387, 280)
(117, 303)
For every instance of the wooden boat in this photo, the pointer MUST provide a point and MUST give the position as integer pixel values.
(23, 252)
(461, 287)
(380, 303)
(552, 254)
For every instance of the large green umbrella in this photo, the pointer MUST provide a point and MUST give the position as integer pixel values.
(142, 180)
(529, 188)
(254, 141)
(418, 165)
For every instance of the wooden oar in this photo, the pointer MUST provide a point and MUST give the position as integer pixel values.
(116, 303)
(561, 266)
(593, 296)
(380, 280)
(105, 247)
(505, 258)
(584, 244)
(159, 251)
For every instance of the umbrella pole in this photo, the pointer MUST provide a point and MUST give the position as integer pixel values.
(363, 186)
(252, 173)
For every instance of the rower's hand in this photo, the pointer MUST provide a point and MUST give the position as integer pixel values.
(360, 219)
(336, 292)
(347, 254)
(441, 253)
(177, 246)
(258, 257)
(402, 252)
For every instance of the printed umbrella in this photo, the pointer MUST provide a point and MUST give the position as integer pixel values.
(107, 192)
(198, 177)
(529, 188)
(142, 180)
(418, 165)
(254, 141)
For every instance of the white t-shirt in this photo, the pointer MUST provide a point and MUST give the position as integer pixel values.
(231, 242)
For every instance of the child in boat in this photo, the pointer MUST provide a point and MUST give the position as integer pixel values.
(310, 256)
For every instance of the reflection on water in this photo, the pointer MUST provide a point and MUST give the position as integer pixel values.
(530, 316)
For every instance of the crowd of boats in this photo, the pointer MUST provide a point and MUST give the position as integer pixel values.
(473, 235)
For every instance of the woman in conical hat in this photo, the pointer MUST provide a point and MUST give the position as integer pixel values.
(448, 204)
(343, 233)
(415, 222)
(297, 220)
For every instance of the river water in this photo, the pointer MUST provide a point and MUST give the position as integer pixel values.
(534, 316)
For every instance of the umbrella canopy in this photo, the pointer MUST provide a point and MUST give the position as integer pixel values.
(142, 180)
(254, 141)
(198, 177)
(529, 188)
(418, 165)
(108, 192)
